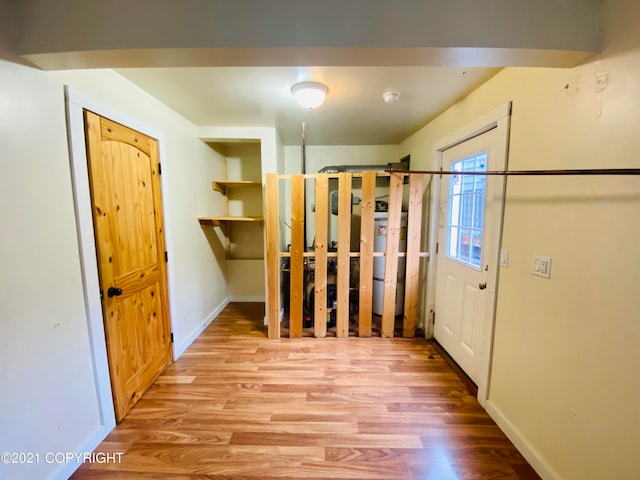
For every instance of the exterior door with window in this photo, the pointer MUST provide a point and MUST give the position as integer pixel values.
(467, 249)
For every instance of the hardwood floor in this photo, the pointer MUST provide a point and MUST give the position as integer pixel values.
(239, 406)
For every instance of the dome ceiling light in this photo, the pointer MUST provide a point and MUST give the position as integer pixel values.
(391, 97)
(310, 95)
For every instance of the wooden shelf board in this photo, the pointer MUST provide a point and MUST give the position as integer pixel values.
(223, 186)
(216, 220)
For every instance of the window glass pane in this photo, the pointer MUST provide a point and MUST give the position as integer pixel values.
(454, 210)
(478, 210)
(465, 245)
(453, 242)
(476, 247)
(466, 211)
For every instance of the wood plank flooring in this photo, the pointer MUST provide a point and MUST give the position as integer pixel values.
(239, 406)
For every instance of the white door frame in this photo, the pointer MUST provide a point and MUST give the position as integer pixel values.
(496, 119)
(76, 102)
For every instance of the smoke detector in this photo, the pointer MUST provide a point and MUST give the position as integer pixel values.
(391, 97)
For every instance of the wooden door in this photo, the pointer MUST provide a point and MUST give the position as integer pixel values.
(468, 227)
(127, 213)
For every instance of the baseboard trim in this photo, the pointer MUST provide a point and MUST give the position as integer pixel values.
(99, 435)
(247, 298)
(178, 350)
(527, 450)
(88, 446)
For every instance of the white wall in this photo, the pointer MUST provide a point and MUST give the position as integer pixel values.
(320, 156)
(271, 158)
(49, 400)
(246, 280)
(560, 383)
(244, 162)
(196, 266)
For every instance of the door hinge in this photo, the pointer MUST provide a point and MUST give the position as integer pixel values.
(166, 257)
(171, 337)
(437, 247)
(159, 169)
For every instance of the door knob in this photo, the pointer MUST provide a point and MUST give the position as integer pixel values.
(482, 286)
(114, 292)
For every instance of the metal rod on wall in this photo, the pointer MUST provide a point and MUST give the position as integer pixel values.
(303, 144)
(587, 171)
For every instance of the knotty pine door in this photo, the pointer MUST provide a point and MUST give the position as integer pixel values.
(127, 215)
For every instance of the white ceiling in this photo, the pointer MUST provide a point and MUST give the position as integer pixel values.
(232, 63)
(354, 112)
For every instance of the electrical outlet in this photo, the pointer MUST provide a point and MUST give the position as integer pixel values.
(541, 266)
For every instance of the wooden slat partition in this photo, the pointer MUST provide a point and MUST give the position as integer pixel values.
(321, 240)
(296, 259)
(272, 232)
(391, 255)
(367, 209)
(297, 255)
(412, 275)
(344, 247)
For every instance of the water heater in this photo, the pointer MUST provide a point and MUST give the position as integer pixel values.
(380, 224)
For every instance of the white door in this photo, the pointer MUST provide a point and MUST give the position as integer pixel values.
(468, 236)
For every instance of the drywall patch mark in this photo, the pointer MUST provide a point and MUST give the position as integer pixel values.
(602, 81)
(575, 79)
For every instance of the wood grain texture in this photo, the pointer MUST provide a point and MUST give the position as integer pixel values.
(321, 248)
(412, 273)
(308, 315)
(367, 210)
(239, 406)
(272, 234)
(296, 259)
(127, 209)
(391, 254)
(344, 248)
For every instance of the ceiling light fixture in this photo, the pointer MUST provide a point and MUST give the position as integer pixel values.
(391, 97)
(310, 94)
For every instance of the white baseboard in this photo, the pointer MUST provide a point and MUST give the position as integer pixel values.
(532, 455)
(246, 298)
(97, 437)
(88, 446)
(180, 349)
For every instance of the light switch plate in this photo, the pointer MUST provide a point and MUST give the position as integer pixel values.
(541, 266)
(504, 258)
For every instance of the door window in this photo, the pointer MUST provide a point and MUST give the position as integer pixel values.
(466, 211)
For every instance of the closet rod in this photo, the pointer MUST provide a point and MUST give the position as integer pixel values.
(587, 171)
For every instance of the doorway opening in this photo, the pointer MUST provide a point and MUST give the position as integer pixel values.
(466, 231)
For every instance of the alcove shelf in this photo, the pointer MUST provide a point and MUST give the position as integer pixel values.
(223, 186)
(224, 222)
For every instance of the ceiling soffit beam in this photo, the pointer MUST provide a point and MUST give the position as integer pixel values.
(266, 57)
(138, 33)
